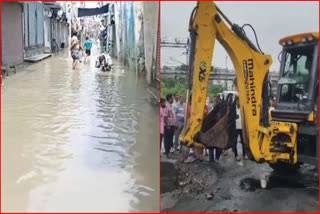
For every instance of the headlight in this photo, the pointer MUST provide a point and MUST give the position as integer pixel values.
(305, 39)
(289, 42)
(309, 38)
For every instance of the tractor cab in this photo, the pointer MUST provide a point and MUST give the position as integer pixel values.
(297, 90)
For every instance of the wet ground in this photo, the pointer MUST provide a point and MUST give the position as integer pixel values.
(78, 140)
(231, 186)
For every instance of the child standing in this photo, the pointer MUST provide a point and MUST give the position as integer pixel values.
(87, 46)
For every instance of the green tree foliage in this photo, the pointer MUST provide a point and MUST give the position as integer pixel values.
(173, 86)
(165, 68)
(215, 89)
(180, 86)
(183, 67)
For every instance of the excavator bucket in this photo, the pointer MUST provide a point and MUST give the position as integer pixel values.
(219, 126)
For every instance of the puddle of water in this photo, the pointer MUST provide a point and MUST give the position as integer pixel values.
(78, 140)
(249, 184)
(274, 181)
(285, 182)
(169, 176)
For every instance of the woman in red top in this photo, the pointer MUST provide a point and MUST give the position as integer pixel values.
(206, 110)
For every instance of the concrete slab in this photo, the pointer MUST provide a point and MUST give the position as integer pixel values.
(153, 95)
(5, 69)
(165, 160)
(169, 177)
(37, 58)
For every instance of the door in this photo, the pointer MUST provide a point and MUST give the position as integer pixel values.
(47, 33)
(12, 39)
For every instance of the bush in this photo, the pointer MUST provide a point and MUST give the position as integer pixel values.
(172, 86)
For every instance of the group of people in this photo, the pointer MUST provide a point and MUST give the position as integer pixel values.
(172, 113)
(172, 116)
(103, 61)
(77, 49)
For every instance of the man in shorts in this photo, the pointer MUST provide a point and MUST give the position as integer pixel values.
(75, 50)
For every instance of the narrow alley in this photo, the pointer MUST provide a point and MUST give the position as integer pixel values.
(78, 140)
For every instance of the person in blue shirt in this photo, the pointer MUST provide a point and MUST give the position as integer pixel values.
(87, 46)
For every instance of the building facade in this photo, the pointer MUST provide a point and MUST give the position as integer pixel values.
(28, 30)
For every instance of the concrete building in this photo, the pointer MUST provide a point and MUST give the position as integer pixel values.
(125, 33)
(75, 21)
(56, 24)
(60, 27)
(108, 21)
(137, 36)
(28, 30)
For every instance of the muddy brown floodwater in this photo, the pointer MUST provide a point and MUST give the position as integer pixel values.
(78, 140)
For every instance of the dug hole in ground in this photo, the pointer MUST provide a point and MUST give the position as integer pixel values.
(234, 186)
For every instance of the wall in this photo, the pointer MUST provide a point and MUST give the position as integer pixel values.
(47, 33)
(151, 18)
(118, 13)
(12, 40)
(130, 36)
(66, 35)
(139, 34)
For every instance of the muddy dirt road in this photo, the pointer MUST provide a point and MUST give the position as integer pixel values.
(232, 186)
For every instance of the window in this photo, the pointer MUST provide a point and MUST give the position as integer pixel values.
(295, 81)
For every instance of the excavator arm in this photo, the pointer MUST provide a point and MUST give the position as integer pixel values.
(208, 24)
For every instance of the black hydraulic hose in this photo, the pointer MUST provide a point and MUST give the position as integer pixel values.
(279, 56)
(191, 18)
(255, 35)
(193, 36)
(270, 88)
(192, 47)
(224, 16)
(265, 102)
(238, 31)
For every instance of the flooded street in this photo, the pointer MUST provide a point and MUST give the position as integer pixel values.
(78, 140)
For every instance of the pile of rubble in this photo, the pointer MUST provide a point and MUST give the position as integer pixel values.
(191, 180)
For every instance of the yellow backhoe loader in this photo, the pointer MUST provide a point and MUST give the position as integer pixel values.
(285, 138)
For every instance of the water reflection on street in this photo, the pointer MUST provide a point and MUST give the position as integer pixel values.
(78, 140)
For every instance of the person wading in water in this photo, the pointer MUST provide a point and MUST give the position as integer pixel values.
(75, 50)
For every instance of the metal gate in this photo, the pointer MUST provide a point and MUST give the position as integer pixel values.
(12, 40)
